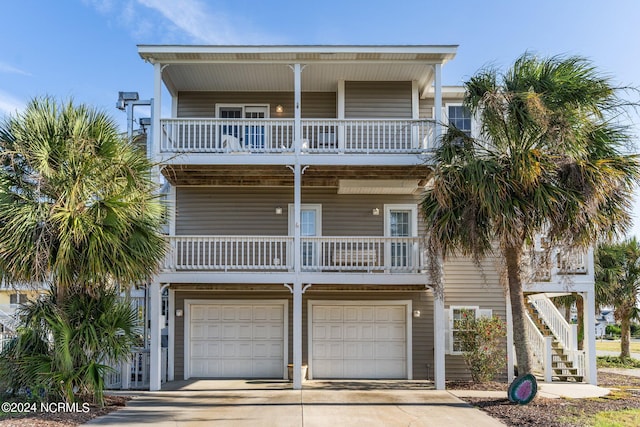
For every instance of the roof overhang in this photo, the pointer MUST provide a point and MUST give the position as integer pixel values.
(267, 68)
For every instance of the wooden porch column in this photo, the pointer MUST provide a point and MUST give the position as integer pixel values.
(590, 335)
(155, 302)
(156, 113)
(297, 197)
(437, 100)
(438, 339)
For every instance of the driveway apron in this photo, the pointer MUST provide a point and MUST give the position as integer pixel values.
(273, 403)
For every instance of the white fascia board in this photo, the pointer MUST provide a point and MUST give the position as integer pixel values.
(213, 277)
(166, 53)
(319, 278)
(288, 159)
(546, 287)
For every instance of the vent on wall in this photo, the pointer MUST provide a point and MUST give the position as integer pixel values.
(378, 186)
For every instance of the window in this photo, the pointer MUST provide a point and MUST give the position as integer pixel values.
(17, 298)
(455, 314)
(460, 117)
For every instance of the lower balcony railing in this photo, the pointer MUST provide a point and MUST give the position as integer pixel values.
(275, 253)
(357, 136)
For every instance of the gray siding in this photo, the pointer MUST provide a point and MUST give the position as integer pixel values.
(467, 284)
(251, 211)
(383, 100)
(426, 106)
(203, 104)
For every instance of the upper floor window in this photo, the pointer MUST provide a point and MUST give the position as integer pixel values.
(460, 117)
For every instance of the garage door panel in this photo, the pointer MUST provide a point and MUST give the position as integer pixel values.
(368, 342)
(390, 332)
(236, 340)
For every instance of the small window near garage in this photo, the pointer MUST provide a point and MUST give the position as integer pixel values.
(17, 298)
(455, 316)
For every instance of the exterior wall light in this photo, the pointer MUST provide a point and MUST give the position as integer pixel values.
(279, 109)
(375, 212)
(278, 210)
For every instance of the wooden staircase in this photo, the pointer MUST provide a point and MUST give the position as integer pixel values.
(563, 368)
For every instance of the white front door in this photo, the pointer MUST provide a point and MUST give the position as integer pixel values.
(251, 136)
(400, 221)
(358, 340)
(236, 339)
(310, 226)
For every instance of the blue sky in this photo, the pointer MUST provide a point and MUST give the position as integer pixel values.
(86, 49)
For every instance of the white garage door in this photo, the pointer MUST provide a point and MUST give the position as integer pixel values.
(236, 340)
(359, 341)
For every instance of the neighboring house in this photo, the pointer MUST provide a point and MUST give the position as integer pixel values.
(295, 233)
(11, 296)
(604, 319)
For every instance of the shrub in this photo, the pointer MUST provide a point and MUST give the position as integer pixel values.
(482, 343)
(613, 330)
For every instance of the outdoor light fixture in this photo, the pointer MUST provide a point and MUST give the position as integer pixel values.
(144, 122)
(279, 108)
(278, 210)
(123, 97)
(179, 312)
(375, 212)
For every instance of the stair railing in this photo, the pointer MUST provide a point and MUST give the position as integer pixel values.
(541, 348)
(565, 333)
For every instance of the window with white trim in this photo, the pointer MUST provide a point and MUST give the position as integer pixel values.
(460, 116)
(455, 315)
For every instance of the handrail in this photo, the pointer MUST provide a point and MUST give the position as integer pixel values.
(541, 348)
(566, 334)
(389, 254)
(229, 253)
(271, 136)
(275, 253)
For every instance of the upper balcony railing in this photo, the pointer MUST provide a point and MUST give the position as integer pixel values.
(275, 253)
(327, 136)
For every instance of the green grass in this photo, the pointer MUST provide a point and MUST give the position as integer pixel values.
(616, 362)
(626, 418)
(634, 347)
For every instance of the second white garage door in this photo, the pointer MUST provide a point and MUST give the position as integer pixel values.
(359, 341)
(236, 339)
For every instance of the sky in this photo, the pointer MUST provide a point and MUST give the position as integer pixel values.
(85, 50)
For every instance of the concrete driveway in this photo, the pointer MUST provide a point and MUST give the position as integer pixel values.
(273, 403)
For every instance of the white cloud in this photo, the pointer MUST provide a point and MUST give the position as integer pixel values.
(10, 104)
(179, 21)
(193, 18)
(6, 68)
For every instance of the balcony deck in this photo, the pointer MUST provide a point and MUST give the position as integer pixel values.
(326, 259)
(275, 136)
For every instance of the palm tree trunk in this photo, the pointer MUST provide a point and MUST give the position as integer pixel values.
(625, 335)
(513, 257)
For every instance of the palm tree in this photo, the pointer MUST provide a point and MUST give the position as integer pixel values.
(618, 276)
(91, 331)
(77, 203)
(549, 160)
